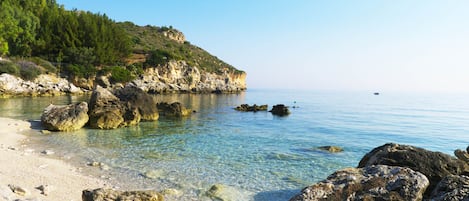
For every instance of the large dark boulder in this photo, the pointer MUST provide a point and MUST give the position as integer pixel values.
(451, 188)
(139, 99)
(65, 117)
(280, 110)
(109, 194)
(175, 109)
(106, 110)
(434, 165)
(369, 183)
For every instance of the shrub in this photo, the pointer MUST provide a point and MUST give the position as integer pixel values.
(9, 67)
(29, 70)
(49, 68)
(82, 71)
(121, 74)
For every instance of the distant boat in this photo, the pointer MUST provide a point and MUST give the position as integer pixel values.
(376, 93)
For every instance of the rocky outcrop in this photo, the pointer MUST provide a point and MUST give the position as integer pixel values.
(43, 85)
(175, 35)
(280, 110)
(251, 108)
(369, 183)
(175, 109)
(65, 118)
(109, 194)
(451, 188)
(178, 76)
(434, 165)
(136, 98)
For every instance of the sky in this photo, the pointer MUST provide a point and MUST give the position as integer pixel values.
(360, 45)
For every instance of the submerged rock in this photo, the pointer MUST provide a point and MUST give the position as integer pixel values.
(451, 188)
(434, 165)
(332, 149)
(253, 108)
(65, 118)
(221, 192)
(379, 182)
(109, 194)
(280, 110)
(175, 109)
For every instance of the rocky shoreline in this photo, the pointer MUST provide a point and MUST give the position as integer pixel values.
(173, 77)
(396, 172)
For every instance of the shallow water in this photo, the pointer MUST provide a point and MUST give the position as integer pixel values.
(263, 156)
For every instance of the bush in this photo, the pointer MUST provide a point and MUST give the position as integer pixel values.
(29, 70)
(49, 68)
(81, 71)
(9, 67)
(121, 74)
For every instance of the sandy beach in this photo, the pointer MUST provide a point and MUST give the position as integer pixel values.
(26, 169)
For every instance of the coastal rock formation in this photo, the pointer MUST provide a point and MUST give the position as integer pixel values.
(434, 165)
(253, 108)
(178, 76)
(136, 98)
(106, 110)
(175, 109)
(462, 155)
(451, 188)
(65, 118)
(280, 110)
(43, 85)
(379, 182)
(109, 194)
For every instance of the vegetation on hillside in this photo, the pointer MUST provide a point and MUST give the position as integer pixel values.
(81, 44)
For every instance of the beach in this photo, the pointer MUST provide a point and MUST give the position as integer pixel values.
(27, 169)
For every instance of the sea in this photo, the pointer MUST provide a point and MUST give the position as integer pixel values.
(252, 155)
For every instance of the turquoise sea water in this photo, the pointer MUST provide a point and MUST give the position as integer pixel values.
(262, 156)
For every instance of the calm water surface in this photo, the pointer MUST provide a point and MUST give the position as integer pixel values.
(261, 156)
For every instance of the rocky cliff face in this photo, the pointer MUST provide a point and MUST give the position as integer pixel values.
(175, 35)
(178, 76)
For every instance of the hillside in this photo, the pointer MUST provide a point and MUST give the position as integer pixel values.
(42, 37)
(169, 42)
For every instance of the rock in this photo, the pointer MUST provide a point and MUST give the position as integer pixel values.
(175, 109)
(65, 118)
(101, 166)
(253, 108)
(462, 155)
(451, 188)
(48, 152)
(379, 182)
(109, 194)
(332, 149)
(137, 98)
(153, 174)
(280, 110)
(18, 190)
(434, 165)
(103, 81)
(106, 110)
(171, 192)
(221, 192)
(45, 189)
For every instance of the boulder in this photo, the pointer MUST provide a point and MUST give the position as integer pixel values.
(109, 194)
(253, 108)
(175, 109)
(379, 182)
(106, 110)
(462, 155)
(65, 118)
(451, 188)
(331, 149)
(280, 110)
(137, 98)
(434, 165)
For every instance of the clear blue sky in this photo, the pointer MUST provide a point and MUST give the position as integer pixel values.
(398, 45)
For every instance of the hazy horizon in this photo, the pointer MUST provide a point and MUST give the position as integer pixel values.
(318, 45)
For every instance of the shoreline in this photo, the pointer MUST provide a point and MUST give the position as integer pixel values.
(24, 167)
